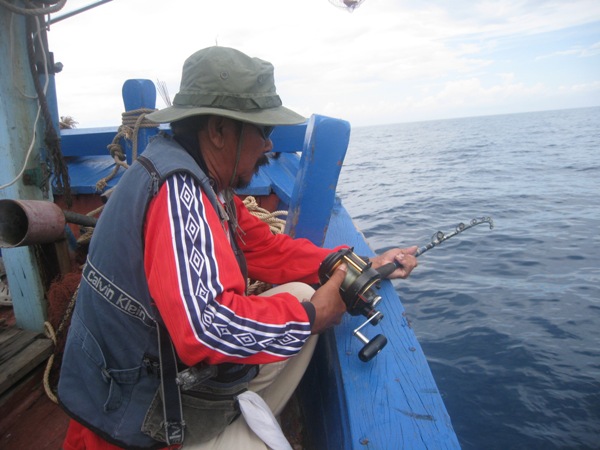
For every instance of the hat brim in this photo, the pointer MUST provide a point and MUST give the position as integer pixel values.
(271, 116)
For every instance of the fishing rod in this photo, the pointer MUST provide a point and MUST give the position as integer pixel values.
(436, 240)
(360, 285)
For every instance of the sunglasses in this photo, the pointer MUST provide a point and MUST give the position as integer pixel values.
(265, 131)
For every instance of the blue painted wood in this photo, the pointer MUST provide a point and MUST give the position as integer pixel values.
(323, 154)
(87, 141)
(94, 141)
(283, 173)
(289, 138)
(277, 177)
(138, 94)
(86, 171)
(17, 128)
(391, 402)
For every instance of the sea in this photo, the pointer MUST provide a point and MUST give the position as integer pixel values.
(508, 318)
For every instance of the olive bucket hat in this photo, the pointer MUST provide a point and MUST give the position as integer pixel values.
(226, 82)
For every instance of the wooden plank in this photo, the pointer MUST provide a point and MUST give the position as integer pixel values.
(86, 141)
(20, 352)
(8, 334)
(283, 175)
(322, 158)
(288, 138)
(26, 407)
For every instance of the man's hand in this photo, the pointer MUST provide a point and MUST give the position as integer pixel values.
(404, 258)
(328, 302)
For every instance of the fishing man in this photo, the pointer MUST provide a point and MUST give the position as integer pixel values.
(165, 345)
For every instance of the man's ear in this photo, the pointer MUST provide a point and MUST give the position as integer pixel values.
(216, 128)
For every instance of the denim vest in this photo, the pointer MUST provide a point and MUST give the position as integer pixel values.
(110, 370)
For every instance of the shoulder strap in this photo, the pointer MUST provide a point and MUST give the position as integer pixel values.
(171, 396)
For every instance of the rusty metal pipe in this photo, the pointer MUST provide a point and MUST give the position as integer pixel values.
(80, 219)
(26, 222)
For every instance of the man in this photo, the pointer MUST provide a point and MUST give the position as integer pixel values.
(167, 268)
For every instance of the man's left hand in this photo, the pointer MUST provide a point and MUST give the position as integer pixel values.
(404, 257)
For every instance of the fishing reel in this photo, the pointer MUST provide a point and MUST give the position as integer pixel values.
(359, 292)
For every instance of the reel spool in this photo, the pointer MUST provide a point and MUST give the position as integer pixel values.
(359, 292)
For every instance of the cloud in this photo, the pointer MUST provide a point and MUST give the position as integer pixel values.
(385, 56)
(580, 52)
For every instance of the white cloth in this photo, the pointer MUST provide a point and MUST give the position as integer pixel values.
(261, 420)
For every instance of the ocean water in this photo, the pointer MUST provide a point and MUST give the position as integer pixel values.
(509, 318)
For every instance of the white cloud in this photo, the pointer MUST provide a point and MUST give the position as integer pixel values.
(581, 52)
(370, 65)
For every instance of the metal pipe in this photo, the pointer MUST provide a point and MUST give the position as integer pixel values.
(77, 11)
(80, 219)
(25, 222)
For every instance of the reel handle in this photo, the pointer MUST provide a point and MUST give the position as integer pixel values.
(372, 348)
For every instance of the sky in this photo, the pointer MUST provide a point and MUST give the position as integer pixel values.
(388, 61)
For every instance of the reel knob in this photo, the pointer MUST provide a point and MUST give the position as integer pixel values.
(372, 348)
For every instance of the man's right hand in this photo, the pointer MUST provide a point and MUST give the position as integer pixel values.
(328, 302)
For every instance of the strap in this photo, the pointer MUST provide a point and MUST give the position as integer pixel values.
(172, 410)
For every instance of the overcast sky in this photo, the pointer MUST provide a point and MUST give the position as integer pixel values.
(389, 61)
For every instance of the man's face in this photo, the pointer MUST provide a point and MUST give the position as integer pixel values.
(255, 146)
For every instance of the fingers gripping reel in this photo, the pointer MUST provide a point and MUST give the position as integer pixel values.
(359, 292)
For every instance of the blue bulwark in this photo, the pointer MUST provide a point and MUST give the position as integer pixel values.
(92, 162)
(325, 146)
(391, 402)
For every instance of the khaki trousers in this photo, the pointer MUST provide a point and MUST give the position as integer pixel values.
(275, 383)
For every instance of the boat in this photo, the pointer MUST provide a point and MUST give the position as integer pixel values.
(389, 401)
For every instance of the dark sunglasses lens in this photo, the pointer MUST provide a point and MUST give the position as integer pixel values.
(267, 131)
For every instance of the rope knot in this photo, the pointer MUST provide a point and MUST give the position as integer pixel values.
(116, 151)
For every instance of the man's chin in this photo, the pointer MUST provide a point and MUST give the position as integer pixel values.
(242, 184)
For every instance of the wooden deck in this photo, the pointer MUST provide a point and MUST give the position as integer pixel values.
(28, 418)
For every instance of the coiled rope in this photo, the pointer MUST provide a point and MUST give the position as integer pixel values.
(276, 224)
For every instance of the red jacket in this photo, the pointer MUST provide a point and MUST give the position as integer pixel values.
(199, 288)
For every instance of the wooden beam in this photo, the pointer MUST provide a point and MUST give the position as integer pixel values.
(139, 94)
(313, 197)
(18, 126)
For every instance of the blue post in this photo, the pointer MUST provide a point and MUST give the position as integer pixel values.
(17, 128)
(138, 94)
(313, 197)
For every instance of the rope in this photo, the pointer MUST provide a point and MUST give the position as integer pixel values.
(276, 225)
(86, 232)
(33, 11)
(131, 122)
(53, 336)
(49, 391)
(51, 137)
